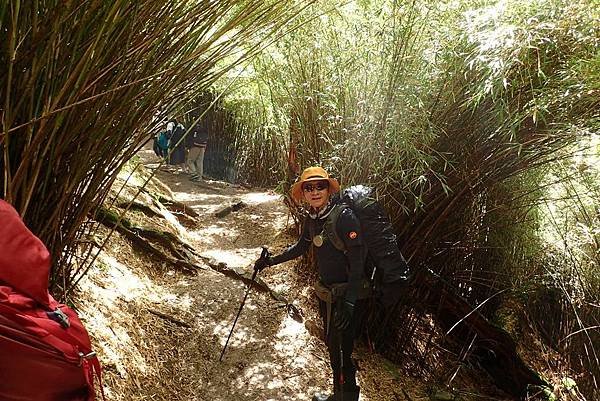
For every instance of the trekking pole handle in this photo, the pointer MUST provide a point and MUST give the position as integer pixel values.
(264, 254)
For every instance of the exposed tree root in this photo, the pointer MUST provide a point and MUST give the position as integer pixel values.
(140, 236)
(183, 255)
(153, 205)
(493, 349)
(174, 205)
(142, 207)
(293, 311)
(231, 208)
(169, 318)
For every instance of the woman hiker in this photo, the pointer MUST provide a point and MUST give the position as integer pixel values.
(342, 288)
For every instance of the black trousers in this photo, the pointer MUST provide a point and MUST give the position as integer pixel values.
(340, 344)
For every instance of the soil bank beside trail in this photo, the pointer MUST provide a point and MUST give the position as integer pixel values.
(159, 332)
(270, 356)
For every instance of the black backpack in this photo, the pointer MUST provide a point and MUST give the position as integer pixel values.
(388, 264)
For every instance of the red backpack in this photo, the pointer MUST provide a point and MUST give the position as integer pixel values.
(45, 352)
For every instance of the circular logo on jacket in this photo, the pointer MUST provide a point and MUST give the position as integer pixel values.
(318, 240)
(352, 234)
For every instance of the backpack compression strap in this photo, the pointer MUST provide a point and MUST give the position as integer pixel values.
(330, 226)
(61, 340)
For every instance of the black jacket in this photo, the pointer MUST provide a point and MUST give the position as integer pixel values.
(334, 266)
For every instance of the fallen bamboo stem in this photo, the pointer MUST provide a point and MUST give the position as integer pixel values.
(169, 318)
(259, 285)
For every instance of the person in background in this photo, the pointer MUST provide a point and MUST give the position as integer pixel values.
(196, 142)
(342, 288)
(160, 144)
(175, 132)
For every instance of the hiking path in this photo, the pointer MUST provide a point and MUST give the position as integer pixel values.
(160, 332)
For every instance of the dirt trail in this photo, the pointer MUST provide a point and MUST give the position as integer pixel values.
(159, 332)
(269, 357)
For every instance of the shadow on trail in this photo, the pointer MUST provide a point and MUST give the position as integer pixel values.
(270, 356)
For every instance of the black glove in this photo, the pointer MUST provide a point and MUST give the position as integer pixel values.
(343, 315)
(264, 260)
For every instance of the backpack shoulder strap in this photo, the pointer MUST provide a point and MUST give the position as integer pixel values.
(330, 226)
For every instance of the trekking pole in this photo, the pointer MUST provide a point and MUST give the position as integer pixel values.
(263, 255)
(341, 377)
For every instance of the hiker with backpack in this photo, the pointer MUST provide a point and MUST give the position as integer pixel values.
(196, 142)
(160, 144)
(175, 133)
(346, 231)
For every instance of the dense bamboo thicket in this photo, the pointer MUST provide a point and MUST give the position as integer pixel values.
(459, 114)
(83, 84)
(476, 122)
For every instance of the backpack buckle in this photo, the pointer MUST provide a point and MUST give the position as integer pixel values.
(86, 357)
(59, 316)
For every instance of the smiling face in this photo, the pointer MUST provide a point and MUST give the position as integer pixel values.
(316, 193)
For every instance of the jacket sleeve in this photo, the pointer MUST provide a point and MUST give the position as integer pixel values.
(349, 230)
(299, 248)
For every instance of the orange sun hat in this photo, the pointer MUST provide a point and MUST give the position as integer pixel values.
(313, 174)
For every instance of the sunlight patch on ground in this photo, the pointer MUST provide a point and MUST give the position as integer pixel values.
(125, 284)
(280, 287)
(207, 232)
(291, 348)
(291, 339)
(277, 220)
(241, 333)
(231, 258)
(113, 297)
(181, 302)
(225, 234)
(255, 198)
(263, 375)
(124, 287)
(228, 235)
(191, 197)
(241, 336)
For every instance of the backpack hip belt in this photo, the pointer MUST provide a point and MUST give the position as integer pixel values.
(331, 293)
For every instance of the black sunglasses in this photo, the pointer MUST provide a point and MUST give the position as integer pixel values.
(319, 186)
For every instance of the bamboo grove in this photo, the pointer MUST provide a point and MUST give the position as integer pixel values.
(84, 83)
(478, 126)
(477, 123)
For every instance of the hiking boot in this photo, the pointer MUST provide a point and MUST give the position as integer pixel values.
(325, 397)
